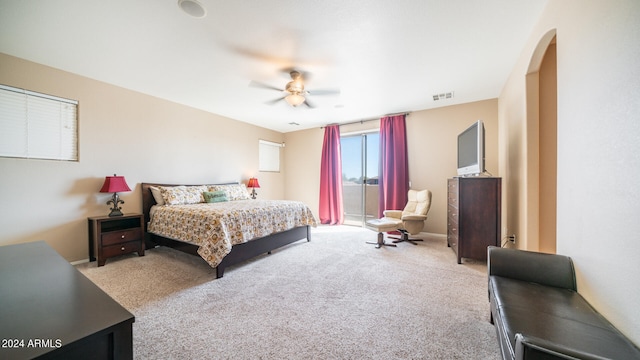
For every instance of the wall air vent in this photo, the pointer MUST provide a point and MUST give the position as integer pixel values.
(443, 96)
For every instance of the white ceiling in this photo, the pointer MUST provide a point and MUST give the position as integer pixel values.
(384, 56)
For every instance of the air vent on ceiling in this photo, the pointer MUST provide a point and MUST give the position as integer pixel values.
(294, 123)
(443, 96)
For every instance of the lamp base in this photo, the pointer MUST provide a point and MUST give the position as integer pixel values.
(116, 212)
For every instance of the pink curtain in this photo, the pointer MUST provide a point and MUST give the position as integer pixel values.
(393, 179)
(331, 209)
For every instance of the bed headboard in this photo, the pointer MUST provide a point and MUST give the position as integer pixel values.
(148, 201)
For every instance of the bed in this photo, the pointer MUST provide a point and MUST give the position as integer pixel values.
(202, 224)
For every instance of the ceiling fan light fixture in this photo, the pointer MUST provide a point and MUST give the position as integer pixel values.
(294, 99)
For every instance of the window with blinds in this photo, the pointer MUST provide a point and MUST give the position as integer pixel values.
(37, 126)
(269, 156)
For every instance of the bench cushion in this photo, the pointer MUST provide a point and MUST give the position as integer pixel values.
(560, 315)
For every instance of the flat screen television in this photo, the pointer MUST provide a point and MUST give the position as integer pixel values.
(471, 150)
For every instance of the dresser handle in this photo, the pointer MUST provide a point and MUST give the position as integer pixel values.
(122, 237)
(122, 248)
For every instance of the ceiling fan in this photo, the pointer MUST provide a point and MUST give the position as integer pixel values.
(295, 94)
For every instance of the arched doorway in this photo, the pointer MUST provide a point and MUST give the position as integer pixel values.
(542, 110)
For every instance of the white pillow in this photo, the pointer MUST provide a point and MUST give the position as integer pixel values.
(157, 195)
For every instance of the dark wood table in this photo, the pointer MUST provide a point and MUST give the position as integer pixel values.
(49, 310)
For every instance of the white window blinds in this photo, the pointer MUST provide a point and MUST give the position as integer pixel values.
(269, 155)
(38, 126)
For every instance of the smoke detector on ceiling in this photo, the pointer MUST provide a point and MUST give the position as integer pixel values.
(443, 96)
(192, 8)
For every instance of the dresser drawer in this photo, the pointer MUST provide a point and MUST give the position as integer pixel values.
(120, 249)
(452, 185)
(452, 212)
(121, 236)
(453, 230)
(452, 239)
(452, 199)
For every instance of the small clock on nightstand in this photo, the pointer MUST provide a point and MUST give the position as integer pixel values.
(111, 236)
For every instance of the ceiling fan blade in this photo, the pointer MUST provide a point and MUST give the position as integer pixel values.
(324, 92)
(274, 101)
(264, 86)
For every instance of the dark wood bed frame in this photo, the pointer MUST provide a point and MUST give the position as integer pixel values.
(239, 253)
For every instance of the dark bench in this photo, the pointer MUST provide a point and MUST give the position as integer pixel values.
(538, 313)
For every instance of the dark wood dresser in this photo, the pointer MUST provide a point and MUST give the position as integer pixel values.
(49, 310)
(473, 215)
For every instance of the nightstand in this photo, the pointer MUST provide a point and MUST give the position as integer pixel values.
(114, 236)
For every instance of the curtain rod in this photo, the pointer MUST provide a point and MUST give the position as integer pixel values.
(367, 120)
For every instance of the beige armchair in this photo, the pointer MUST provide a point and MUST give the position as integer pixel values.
(408, 221)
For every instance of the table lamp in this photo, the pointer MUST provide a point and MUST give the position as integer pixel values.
(253, 184)
(115, 184)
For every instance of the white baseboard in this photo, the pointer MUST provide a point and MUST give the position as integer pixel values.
(74, 263)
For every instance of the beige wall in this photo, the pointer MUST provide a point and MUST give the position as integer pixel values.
(146, 139)
(548, 150)
(431, 138)
(598, 94)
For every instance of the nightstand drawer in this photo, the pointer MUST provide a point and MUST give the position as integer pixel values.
(121, 236)
(120, 249)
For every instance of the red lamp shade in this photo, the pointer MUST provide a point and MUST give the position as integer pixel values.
(253, 183)
(113, 184)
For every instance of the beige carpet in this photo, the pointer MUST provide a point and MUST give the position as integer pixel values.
(332, 298)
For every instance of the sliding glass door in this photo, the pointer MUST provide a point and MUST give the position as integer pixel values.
(360, 176)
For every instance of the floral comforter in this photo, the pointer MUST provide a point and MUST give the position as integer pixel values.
(216, 227)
